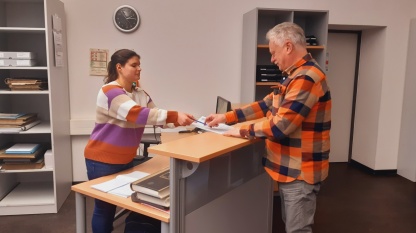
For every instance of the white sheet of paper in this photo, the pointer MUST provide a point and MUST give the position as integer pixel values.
(222, 128)
(119, 181)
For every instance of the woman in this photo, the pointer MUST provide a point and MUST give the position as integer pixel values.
(122, 112)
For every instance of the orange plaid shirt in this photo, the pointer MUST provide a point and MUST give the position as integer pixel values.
(297, 125)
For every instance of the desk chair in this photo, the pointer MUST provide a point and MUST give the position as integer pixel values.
(147, 140)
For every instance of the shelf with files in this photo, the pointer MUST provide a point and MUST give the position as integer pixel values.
(255, 46)
(27, 26)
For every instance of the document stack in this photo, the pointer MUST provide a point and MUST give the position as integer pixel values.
(22, 156)
(153, 190)
(26, 84)
(17, 58)
(16, 122)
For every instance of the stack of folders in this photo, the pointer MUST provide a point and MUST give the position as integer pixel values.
(15, 122)
(22, 156)
(153, 190)
(8, 58)
(27, 84)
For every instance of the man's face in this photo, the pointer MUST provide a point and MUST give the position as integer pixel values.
(278, 54)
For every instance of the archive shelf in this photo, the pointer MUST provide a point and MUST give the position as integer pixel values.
(26, 26)
(255, 47)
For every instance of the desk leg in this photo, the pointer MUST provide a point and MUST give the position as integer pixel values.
(165, 227)
(80, 213)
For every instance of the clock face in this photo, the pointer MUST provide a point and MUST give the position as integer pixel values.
(126, 18)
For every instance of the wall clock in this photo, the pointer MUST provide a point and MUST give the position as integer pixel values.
(126, 18)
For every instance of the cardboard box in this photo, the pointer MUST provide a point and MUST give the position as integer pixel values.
(49, 160)
(17, 62)
(17, 55)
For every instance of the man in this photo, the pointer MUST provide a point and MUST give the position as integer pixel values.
(296, 127)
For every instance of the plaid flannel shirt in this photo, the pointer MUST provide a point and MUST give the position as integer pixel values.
(297, 125)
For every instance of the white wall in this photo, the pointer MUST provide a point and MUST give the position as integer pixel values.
(191, 52)
(407, 159)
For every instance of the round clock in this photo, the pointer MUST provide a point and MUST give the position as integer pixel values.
(126, 18)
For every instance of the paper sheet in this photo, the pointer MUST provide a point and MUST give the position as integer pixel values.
(121, 184)
(222, 128)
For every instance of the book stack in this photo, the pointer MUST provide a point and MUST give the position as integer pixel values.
(17, 58)
(153, 190)
(16, 122)
(26, 84)
(22, 156)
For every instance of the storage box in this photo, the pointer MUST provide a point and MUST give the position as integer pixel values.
(268, 73)
(17, 55)
(12, 62)
(49, 161)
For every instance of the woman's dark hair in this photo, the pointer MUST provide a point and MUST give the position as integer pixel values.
(121, 56)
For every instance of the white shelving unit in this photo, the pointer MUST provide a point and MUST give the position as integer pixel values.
(26, 25)
(255, 48)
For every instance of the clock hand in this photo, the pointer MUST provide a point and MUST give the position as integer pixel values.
(125, 17)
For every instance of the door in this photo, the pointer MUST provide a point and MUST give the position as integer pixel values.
(341, 73)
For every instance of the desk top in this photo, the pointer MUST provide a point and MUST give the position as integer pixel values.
(151, 166)
(200, 147)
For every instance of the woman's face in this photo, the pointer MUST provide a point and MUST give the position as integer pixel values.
(130, 72)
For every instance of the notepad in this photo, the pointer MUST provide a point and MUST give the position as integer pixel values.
(121, 184)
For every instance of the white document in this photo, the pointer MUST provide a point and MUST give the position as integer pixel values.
(116, 184)
(221, 129)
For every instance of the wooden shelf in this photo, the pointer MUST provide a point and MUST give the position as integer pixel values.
(22, 30)
(266, 83)
(317, 47)
(35, 92)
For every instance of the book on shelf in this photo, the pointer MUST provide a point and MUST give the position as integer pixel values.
(163, 204)
(23, 127)
(38, 164)
(11, 115)
(23, 148)
(156, 185)
(38, 153)
(21, 120)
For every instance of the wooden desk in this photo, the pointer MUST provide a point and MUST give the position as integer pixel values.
(84, 189)
(217, 185)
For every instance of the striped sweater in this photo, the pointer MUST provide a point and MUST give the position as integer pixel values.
(297, 127)
(120, 120)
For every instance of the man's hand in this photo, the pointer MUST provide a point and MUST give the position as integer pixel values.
(214, 119)
(235, 132)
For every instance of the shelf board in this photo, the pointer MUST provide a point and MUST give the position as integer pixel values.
(22, 29)
(317, 47)
(266, 83)
(9, 92)
(30, 194)
(27, 170)
(23, 68)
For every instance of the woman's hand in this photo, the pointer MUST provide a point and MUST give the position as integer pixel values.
(185, 119)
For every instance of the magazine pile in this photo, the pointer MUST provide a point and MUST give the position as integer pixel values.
(16, 122)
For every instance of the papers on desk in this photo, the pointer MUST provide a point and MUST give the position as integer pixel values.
(222, 128)
(120, 185)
